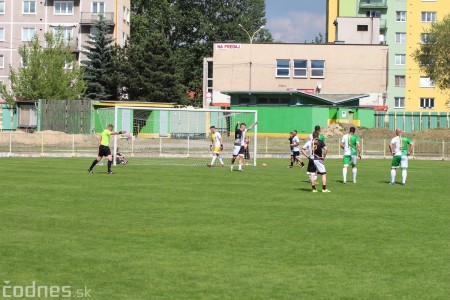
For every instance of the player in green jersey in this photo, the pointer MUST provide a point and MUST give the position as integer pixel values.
(352, 151)
(401, 147)
(103, 149)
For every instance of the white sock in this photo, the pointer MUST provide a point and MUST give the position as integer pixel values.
(404, 174)
(213, 160)
(240, 167)
(344, 174)
(220, 159)
(354, 171)
(315, 177)
(393, 175)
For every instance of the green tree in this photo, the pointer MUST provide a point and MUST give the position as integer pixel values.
(99, 66)
(433, 56)
(155, 79)
(192, 26)
(46, 73)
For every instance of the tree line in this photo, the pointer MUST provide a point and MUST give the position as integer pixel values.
(162, 61)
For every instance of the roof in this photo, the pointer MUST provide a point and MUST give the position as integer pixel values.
(332, 99)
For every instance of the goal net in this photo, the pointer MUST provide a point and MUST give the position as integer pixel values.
(175, 136)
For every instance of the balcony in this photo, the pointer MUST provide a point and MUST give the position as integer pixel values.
(373, 4)
(89, 18)
(383, 24)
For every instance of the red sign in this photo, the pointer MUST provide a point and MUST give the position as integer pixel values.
(228, 46)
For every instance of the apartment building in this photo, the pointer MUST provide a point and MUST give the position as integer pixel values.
(420, 93)
(402, 26)
(20, 20)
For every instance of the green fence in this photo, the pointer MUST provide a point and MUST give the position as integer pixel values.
(409, 122)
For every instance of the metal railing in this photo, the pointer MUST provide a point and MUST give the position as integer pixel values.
(59, 144)
(373, 3)
(90, 18)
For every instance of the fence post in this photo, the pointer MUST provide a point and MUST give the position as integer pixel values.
(188, 144)
(267, 146)
(73, 145)
(384, 148)
(160, 146)
(443, 149)
(132, 145)
(42, 143)
(10, 143)
(362, 146)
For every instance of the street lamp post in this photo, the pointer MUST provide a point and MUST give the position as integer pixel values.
(250, 37)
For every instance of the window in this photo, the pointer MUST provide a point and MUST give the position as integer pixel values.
(425, 38)
(65, 32)
(2, 34)
(399, 102)
(362, 27)
(317, 68)
(63, 8)
(427, 103)
(400, 37)
(426, 82)
(429, 16)
(244, 100)
(300, 68)
(400, 59)
(373, 13)
(399, 80)
(28, 34)
(2, 6)
(2, 61)
(98, 7)
(283, 68)
(27, 116)
(400, 16)
(29, 6)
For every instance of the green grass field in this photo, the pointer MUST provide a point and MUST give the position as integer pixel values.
(155, 232)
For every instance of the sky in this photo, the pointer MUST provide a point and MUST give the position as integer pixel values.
(292, 21)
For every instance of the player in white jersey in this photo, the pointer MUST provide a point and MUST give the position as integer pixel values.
(400, 146)
(239, 143)
(352, 151)
(295, 150)
(216, 145)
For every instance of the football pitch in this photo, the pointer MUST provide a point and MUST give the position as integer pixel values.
(184, 232)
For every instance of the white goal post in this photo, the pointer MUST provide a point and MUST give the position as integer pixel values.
(174, 136)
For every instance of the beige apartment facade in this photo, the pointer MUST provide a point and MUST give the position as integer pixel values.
(20, 20)
(313, 68)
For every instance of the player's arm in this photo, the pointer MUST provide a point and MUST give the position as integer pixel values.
(358, 147)
(118, 132)
(411, 148)
(304, 151)
(251, 127)
(390, 149)
(237, 126)
(221, 143)
(324, 152)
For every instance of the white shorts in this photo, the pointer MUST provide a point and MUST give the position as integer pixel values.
(238, 150)
(320, 167)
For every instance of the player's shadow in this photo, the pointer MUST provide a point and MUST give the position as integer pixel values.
(303, 189)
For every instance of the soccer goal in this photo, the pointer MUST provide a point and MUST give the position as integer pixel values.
(175, 136)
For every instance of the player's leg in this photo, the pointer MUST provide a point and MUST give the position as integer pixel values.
(110, 161)
(235, 155)
(354, 169)
(101, 153)
(320, 166)
(213, 160)
(311, 180)
(394, 165)
(346, 162)
(220, 159)
(404, 166)
(292, 160)
(241, 157)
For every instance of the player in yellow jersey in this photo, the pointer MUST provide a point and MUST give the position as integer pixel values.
(216, 145)
(103, 149)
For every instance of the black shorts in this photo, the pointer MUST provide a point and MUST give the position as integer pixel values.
(103, 151)
(295, 153)
(311, 166)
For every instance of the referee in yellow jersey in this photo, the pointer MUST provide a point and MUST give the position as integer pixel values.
(103, 149)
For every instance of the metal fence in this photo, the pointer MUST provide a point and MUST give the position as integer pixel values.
(412, 121)
(58, 144)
